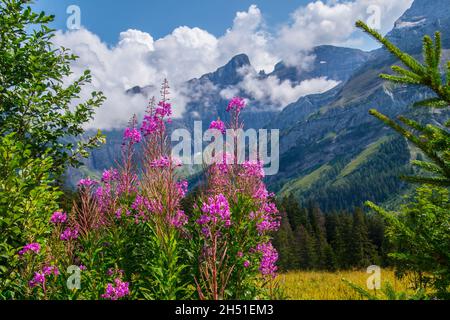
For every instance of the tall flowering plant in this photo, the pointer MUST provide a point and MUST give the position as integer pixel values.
(138, 203)
(234, 221)
(129, 238)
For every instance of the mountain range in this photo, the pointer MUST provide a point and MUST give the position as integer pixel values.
(332, 151)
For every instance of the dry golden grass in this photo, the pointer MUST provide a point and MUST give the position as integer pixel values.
(312, 285)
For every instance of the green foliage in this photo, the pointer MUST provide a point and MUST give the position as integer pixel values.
(312, 240)
(36, 102)
(27, 200)
(235, 245)
(420, 232)
(433, 140)
(39, 124)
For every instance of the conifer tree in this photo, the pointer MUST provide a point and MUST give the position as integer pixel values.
(343, 240)
(420, 230)
(306, 249)
(362, 250)
(317, 219)
(284, 242)
(433, 140)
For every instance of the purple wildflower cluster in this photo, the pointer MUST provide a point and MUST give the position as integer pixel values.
(214, 211)
(143, 206)
(154, 121)
(253, 169)
(164, 109)
(269, 258)
(34, 247)
(117, 290)
(88, 182)
(40, 277)
(179, 219)
(162, 162)
(110, 175)
(261, 192)
(132, 135)
(58, 218)
(218, 125)
(268, 218)
(69, 234)
(182, 187)
(237, 104)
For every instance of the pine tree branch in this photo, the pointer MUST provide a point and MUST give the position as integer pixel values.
(425, 146)
(407, 59)
(441, 182)
(428, 52)
(428, 166)
(437, 103)
(406, 73)
(437, 48)
(448, 76)
(401, 80)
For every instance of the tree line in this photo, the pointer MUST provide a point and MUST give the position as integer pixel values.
(310, 239)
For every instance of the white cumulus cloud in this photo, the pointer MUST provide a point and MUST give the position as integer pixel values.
(140, 60)
(277, 93)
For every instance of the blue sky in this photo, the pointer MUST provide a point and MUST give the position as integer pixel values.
(107, 18)
(140, 42)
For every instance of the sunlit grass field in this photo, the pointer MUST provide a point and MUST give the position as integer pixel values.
(312, 285)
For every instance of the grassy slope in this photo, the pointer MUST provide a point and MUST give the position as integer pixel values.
(304, 182)
(362, 157)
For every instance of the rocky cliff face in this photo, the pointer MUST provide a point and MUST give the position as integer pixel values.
(333, 129)
(423, 18)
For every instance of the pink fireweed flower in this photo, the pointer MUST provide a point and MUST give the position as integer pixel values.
(246, 264)
(218, 125)
(179, 220)
(38, 279)
(268, 260)
(145, 207)
(269, 218)
(133, 135)
(35, 247)
(215, 210)
(117, 291)
(69, 234)
(164, 109)
(48, 270)
(110, 175)
(261, 193)
(237, 104)
(163, 162)
(151, 124)
(58, 218)
(253, 169)
(86, 182)
(182, 188)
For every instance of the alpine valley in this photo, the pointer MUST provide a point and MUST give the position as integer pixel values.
(332, 152)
